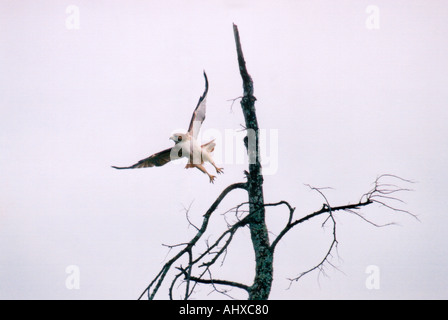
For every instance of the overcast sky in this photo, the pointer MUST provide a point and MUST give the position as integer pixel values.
(346, 91)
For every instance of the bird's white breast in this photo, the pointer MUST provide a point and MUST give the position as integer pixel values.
(190, 149)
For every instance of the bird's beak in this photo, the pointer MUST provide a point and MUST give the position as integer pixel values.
(173, 138)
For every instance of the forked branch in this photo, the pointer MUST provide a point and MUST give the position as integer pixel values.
(380, 194)
(152, 289)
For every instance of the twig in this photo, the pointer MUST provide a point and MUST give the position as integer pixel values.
(233, 101)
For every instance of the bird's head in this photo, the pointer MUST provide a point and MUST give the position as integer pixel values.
(178, 137)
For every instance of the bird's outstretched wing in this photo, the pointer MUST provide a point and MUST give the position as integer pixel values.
(199, 113)
(156, 160)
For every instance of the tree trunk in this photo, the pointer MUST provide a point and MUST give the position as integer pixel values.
(261, 286)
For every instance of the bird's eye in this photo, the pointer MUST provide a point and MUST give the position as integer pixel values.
(179, 138)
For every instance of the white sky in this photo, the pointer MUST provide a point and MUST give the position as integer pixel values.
(340, 104)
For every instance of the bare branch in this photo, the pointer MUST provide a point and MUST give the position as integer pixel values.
(175, 245)
(379, 194)
(368, 221)
(325, 209)
(217, 281)
(187, 211)
(233, 101)
(237, 211)
(334, 241)
(280, 203)
(158, 280)
(383, 190)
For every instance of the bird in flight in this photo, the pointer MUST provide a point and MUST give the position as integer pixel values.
(186, 145)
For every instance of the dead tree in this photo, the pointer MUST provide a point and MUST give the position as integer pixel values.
(198, 265)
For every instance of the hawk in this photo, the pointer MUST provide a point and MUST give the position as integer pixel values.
(186, 145)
